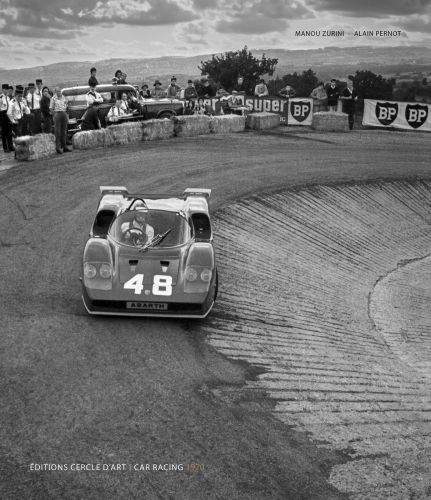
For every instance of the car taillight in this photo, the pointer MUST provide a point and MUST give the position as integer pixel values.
(90, 271)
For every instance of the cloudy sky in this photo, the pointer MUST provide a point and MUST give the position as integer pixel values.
(35, 32)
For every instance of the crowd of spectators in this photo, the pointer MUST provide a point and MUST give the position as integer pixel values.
(37, 109)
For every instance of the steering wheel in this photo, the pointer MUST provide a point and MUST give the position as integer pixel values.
(135, 235)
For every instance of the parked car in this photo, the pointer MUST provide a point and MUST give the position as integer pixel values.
(150, 255)
(151, 108)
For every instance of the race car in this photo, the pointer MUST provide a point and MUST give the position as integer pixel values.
(150, 255)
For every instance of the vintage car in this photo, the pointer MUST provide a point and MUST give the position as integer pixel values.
(146, 109)
(150, 255)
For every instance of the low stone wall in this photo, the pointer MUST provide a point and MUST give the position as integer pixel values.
(227, 124)
(193, 125)
(330, 121)
(262, 121)
(29, 148)
(154, 130)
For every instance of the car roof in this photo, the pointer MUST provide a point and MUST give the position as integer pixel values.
(107, 87)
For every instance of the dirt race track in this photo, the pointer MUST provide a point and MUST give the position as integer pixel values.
(220, 392)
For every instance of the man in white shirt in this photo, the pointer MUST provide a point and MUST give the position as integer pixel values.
(18, 109)
(6, 129)
(92, 96)
(261, 90)
(116, 112)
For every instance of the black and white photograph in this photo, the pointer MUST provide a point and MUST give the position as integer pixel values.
(215, 250)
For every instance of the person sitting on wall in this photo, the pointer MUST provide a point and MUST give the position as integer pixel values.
(239, 86)
(261, 90)
(207, 91)
(320, 98)
(189, 107)
(190, 91)
(235, 105)
(158, 92)
(116, 112)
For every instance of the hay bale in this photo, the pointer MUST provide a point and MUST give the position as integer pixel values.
(226, 124)
(124, 133)
(158, 129)
(262, 121)
(30, 148)
(188, 126)
(330, 121)
(89, 139)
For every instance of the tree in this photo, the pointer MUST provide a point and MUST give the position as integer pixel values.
(371, 86)
(303, 83)
(225, 69)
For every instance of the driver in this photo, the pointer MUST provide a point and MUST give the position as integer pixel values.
(141, 228)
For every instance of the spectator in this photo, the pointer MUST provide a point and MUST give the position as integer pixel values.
(119, 77)
(125, 104)
(320, 98)
(221, 92)
(234, 105)
(6, 129)
(190, 91)
(208, 91)
(59, 108)
(145, 92)
(93, 97)
(45, 111)
(190, 107)
(173, 88)
(239, 86)
(90, 119)
(33, 103)
(287, 91)
(92, 81)
(158, 92)
(261, 90)
(333, 94)
(116, 111)
(349, 97)
(18, 109)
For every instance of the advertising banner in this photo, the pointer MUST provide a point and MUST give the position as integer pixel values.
(300, 111)
(401, 115)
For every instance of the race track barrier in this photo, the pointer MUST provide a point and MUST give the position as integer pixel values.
(398, 115)
(330, 121)
(125, 133)
(157, 129)
(30, 148)
(227, 124)
(262, 121)
(193, 125)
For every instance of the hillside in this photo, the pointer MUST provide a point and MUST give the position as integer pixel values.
(326, 62)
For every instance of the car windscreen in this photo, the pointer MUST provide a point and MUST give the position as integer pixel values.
(138, 227)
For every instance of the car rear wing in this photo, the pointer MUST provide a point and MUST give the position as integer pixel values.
(201, 192)
(113, 189)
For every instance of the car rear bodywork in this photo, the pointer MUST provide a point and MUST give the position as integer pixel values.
(172, 274)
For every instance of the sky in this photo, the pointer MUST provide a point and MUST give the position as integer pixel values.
(39, 32)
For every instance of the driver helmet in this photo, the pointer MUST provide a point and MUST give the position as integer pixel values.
(140, 214)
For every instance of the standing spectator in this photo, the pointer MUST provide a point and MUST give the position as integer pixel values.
(6, 129)
(45, 111)
(92, 81)
(58, 107)
(18, 109)
(190, 91)
(157, 92)
(319, 97)
(173, 88)
(333, 94)
(145, 93)
(93, 97)
(33, 101)
(207, 91)
(261, 90)
(239, 86)
(349, 97)
(119, 77)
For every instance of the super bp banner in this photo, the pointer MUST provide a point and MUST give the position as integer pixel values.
(401, 115)
(294, 111)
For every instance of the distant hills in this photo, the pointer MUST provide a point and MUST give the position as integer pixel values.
(326, 62)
